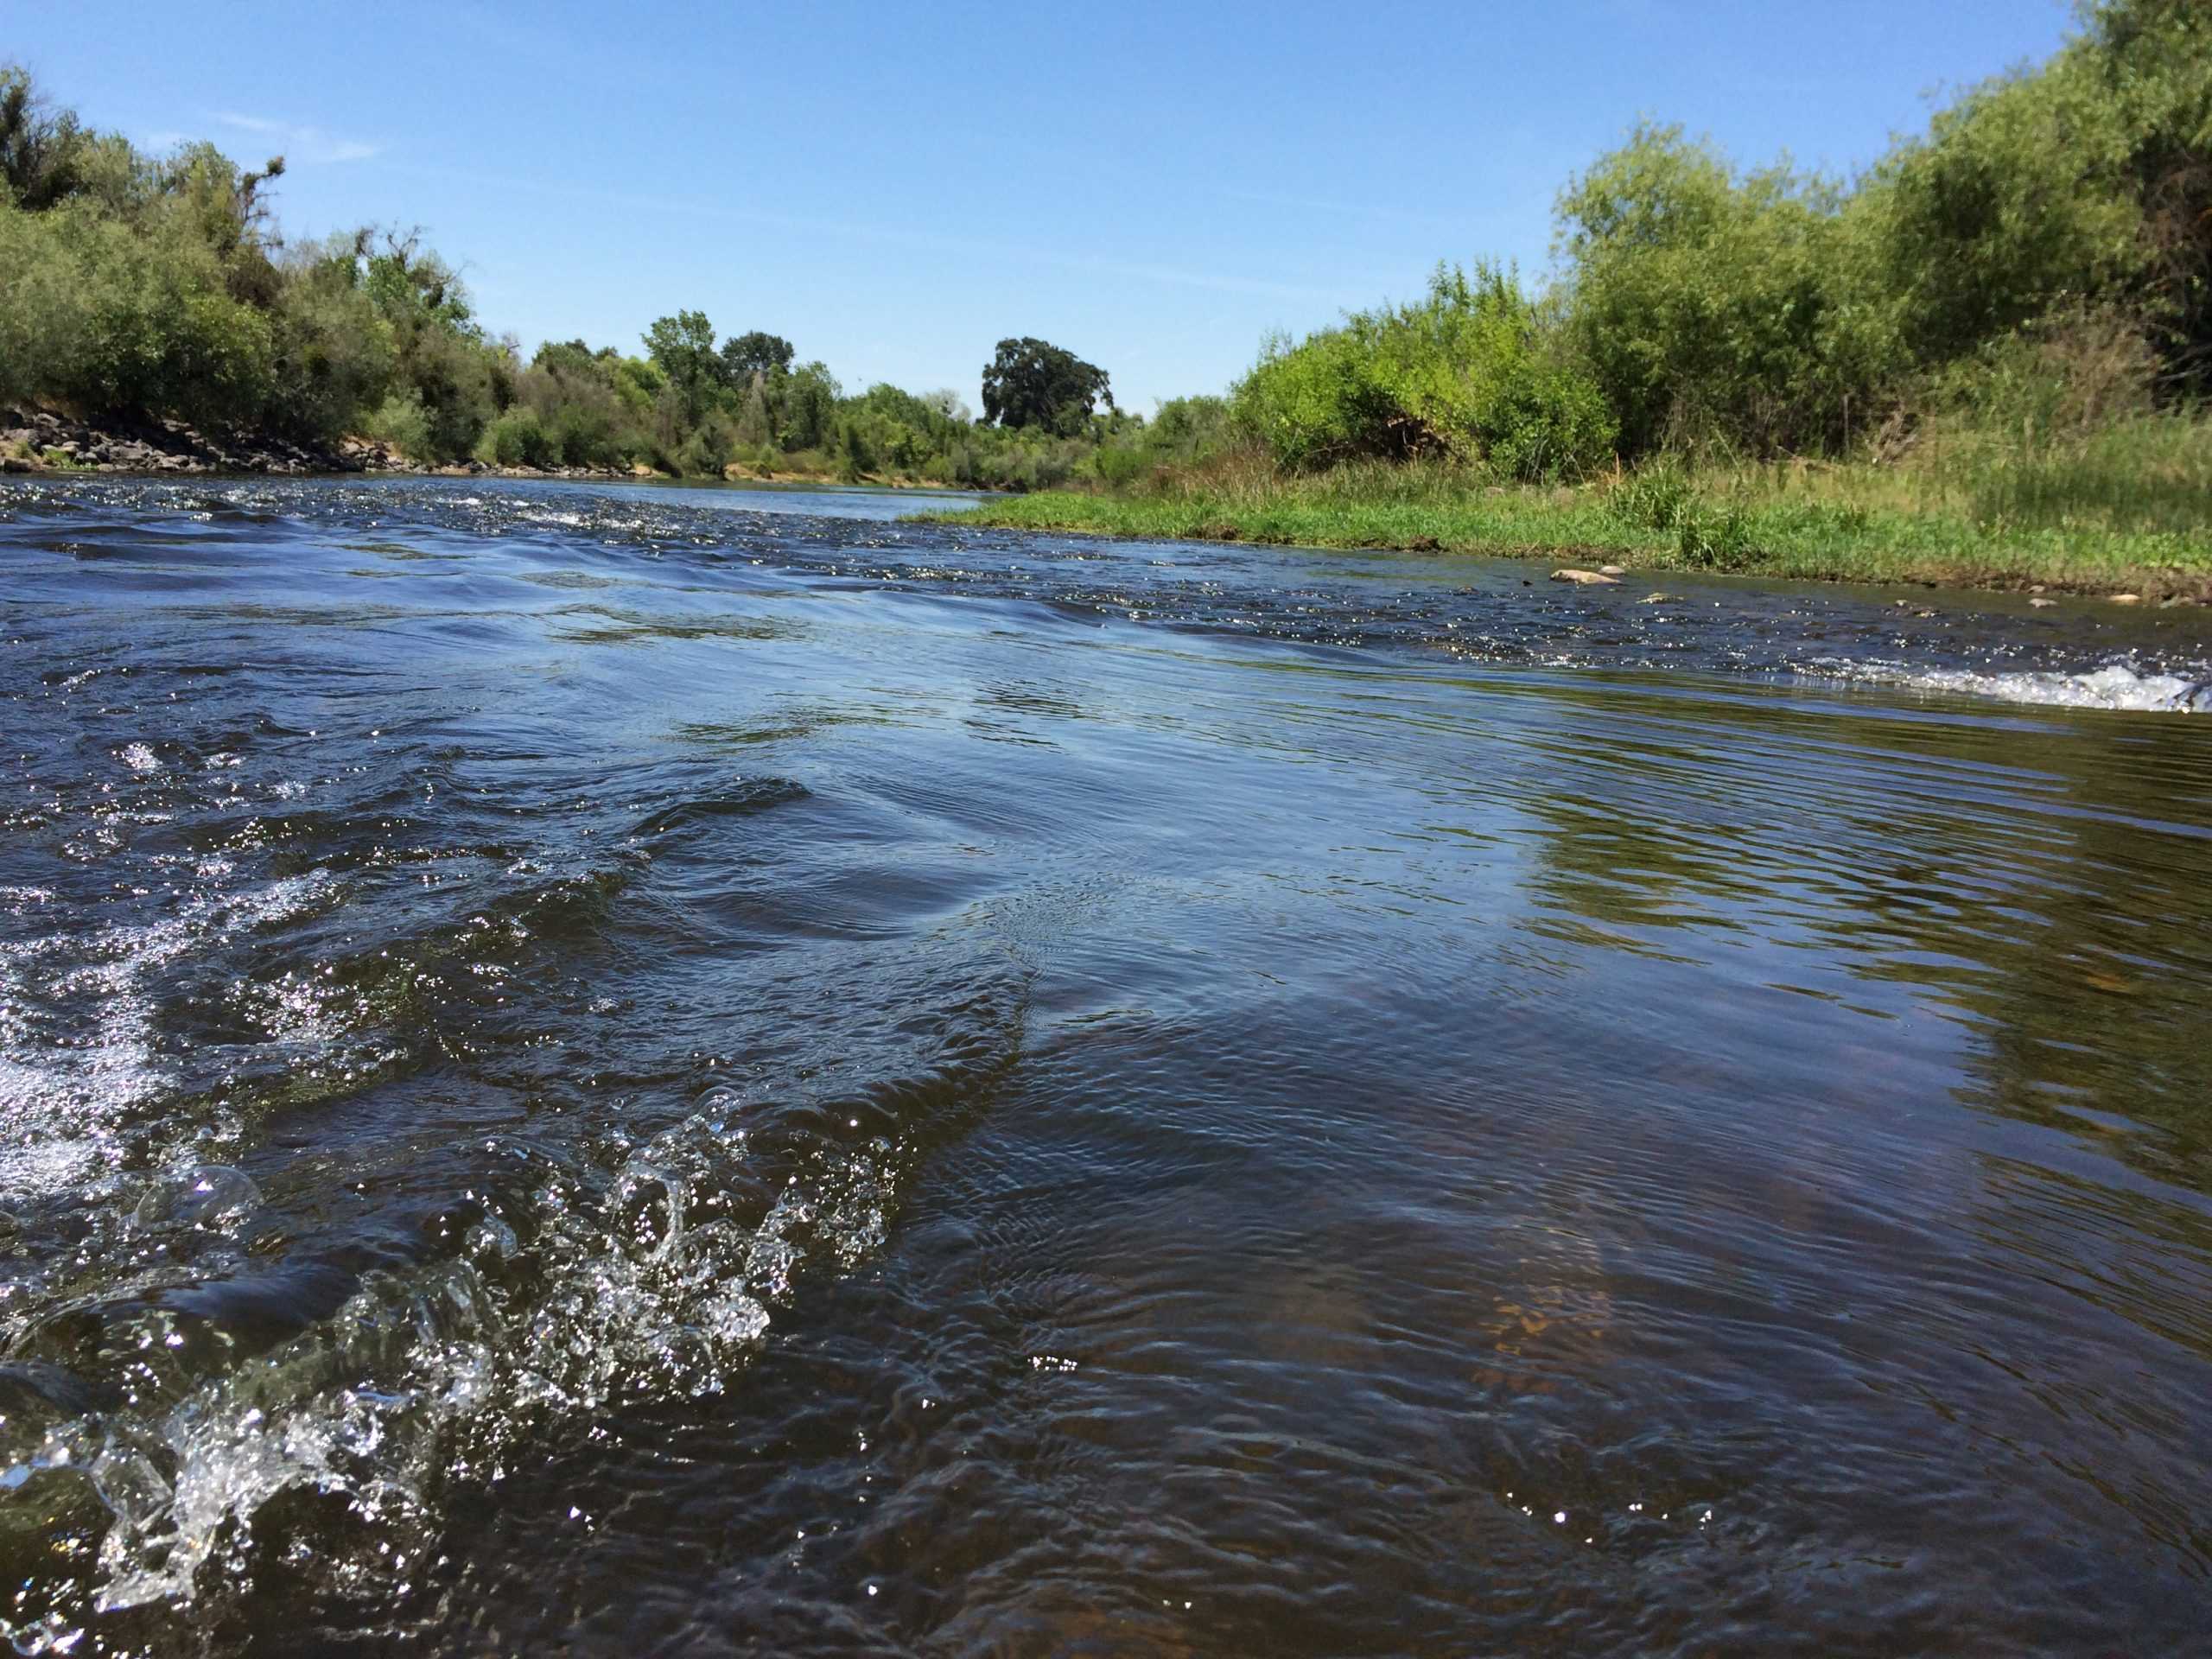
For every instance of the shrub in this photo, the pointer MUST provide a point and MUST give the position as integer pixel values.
(1463, 374)
(333, 354)
(1719, 310)
(518, 438)
(400, 421)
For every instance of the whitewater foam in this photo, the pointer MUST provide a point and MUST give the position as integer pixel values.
(2114, 686)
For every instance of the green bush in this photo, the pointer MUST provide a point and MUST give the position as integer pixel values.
(400, 421)
(518, 438)
(114, 322)
(1463, 374)
(1719, 310)
(333, 354)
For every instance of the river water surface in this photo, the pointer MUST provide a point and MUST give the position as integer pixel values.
(624, 1070)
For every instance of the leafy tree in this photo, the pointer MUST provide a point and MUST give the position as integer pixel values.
(1713, 306)
(683, 347)
(755, 425)
(41, 153)
(2152, 61)
(855, 458)
(745, 355)
(2006, 207)
(809, 407)
(1032, 383)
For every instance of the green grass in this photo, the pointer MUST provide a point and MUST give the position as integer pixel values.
(1825, 522)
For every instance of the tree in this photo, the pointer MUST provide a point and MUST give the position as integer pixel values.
(855, 459)
(2152, 61)
(1034, 382)
(809, 406)
(683, 347)
(754, 424)
(1714, 306)
(745, 355)
(40, 152)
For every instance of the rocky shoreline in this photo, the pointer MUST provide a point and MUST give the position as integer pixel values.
(40, 441)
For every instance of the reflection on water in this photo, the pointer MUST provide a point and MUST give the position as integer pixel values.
(632, 1071)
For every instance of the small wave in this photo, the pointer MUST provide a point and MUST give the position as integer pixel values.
(2116, 685)
(650, 1285)
(79, 1023)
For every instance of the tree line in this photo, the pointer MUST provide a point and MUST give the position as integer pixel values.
(2037, 264)
(142, 286)
(2034, 267)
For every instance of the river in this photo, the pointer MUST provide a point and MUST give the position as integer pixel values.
(617, 1069)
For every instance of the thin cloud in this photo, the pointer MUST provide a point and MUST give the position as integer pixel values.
(301, 144)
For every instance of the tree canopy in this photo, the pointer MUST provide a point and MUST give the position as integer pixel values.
(1033, 383)
(745, 355)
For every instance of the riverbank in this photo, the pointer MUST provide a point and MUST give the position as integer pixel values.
(1835, 529)
(44, 441)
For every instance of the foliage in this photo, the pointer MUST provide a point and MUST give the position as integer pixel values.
(1464, 374)
(2010, 313)
(1714, 306)
(41, 152)
(756, 353)
(683, 348)
(1032, 383)
(1768, 312)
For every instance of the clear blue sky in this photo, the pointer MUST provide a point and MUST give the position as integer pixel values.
(894, 188)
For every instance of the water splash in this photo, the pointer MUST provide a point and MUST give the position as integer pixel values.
(2115, 686)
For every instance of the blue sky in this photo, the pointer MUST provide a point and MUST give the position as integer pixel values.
(1153, 186)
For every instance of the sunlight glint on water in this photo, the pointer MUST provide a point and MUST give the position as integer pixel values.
(640, 1070)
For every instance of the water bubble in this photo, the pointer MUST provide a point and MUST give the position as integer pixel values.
(490, 1239)
(649, 1208)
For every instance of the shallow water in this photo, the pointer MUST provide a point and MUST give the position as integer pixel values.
(627, 1071)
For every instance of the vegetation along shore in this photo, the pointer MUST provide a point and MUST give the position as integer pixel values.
(1985, 359)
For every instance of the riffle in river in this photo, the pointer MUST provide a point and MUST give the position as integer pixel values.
(595, 1068)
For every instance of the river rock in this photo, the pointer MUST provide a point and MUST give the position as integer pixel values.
(1585, 578)
(2043, 604)
(1612, 569)
(2127, 599)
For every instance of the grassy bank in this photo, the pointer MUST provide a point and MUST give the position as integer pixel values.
(1946, 525)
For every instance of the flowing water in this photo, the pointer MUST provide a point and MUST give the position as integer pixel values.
(623, 1071)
